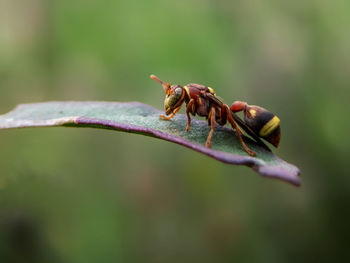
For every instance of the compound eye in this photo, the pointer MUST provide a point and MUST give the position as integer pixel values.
(174, 97)
(178, 92)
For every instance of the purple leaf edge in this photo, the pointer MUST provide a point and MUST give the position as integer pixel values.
(277, 172)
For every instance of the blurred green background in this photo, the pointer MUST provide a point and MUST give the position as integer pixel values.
(86, 195)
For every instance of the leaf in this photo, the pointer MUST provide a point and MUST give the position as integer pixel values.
(143, 119)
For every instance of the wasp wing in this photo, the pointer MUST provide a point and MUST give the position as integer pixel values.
(249, 131)
(214, 99)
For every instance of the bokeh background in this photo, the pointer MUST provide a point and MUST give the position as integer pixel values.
(86, 195)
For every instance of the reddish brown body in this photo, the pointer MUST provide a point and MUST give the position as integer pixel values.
(202, 101)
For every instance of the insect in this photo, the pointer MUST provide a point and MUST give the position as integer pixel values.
(202, 101)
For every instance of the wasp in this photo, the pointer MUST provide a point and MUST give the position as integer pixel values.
(202, 101)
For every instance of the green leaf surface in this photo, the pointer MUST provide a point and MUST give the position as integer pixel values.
(139, 118)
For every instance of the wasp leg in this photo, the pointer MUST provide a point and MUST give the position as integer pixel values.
(172, 115)
(238, 131)
(188, 110)
(212, 126)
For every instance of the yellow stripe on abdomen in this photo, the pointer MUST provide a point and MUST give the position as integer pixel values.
(269, 126)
